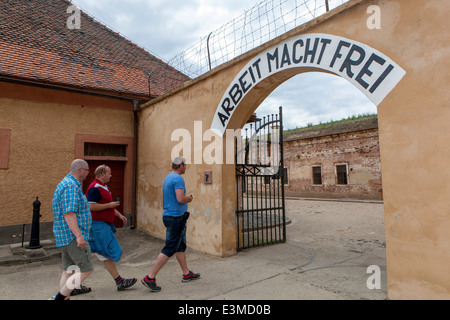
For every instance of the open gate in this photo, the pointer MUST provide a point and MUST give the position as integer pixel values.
(260, 176)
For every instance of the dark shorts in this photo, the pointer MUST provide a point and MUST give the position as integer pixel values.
(175, 235)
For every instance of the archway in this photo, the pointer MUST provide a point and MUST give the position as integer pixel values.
(372, 72)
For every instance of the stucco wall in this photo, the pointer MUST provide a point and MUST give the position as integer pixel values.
(157, 123)
(42, 146)
(413, 131)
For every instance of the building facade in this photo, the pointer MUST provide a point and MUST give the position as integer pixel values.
(68, 93)
(340, 160)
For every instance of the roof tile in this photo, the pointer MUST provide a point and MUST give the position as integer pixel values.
(35, 44)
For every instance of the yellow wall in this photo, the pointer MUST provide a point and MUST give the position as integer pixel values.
(42, 146)
(413, 128)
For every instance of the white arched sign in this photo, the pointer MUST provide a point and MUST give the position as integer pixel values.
(366, 68)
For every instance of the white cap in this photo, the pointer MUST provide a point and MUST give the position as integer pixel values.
(179, 160)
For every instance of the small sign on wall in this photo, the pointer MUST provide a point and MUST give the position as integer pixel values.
(207, 177)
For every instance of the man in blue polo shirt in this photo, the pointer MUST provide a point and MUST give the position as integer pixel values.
(175, 204)
(72, 227)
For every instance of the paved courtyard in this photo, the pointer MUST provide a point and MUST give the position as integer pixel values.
(330, 245)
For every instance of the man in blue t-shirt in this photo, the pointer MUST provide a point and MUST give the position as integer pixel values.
(175, 204)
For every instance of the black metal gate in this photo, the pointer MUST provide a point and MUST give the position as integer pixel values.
(260, 176)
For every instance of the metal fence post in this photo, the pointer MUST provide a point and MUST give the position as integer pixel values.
(34, 239)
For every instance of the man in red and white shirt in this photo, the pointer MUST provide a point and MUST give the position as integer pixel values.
(103, 211)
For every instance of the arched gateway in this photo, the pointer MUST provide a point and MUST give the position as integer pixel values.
(370, 71)
(401, 67)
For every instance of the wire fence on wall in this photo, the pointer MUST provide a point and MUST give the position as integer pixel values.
(265, 21)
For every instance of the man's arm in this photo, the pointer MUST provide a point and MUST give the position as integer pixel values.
(103, 206)
(71, 219)
(94, 197)
(181, 198)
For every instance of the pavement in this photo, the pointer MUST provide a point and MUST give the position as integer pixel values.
(330, 248)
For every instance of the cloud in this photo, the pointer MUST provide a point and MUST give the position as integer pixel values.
(315, 97)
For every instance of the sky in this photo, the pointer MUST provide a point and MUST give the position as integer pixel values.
(166, 28)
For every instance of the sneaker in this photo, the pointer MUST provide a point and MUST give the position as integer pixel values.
(150, 284)
(125, 283)
(190, 276)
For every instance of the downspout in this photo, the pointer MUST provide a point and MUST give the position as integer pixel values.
(135, 109)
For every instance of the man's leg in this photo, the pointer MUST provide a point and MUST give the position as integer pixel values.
(111, 267)
(77, 266)
(69, 280)
(121, 283)
(149, 280)
(181, 257)
(160, 262)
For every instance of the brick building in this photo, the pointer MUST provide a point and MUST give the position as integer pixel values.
(340, 160)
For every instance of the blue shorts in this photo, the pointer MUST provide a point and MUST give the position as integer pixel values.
(175, 235)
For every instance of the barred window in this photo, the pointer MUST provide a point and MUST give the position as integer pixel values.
(103, 149)
(317, 175)
(341, 174)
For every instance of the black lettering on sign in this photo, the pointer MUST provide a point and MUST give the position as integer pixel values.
(235, 93)
(243, 83)
(271, 57)
(256, 65)
(324, 42)
(381, 78)
(285, 58)
(338, 54)
(309, 52)
(294, 51)
(226, 106)
(348, 62)
(363, 66)
(366, 71)
(223, 118)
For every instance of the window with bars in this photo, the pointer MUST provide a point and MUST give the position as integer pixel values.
(341, 174)
(104, 149)
(317, 174)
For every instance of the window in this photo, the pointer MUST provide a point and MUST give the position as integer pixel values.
(341, 174)
(317, 174)
(104, 149)
(5, 137)
(285, 176)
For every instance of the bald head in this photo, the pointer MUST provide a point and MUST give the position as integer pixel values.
(79, 168)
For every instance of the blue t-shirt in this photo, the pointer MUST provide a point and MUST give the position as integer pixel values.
(170, 203)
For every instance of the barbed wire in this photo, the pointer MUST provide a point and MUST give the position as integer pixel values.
(264, 22)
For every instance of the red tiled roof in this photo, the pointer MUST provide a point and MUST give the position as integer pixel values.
(35, 44)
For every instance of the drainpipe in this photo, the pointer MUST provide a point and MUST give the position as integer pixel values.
(135, 109)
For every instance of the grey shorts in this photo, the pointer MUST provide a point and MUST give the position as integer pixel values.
(72, 255)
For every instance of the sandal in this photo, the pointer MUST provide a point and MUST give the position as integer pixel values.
(81, 290)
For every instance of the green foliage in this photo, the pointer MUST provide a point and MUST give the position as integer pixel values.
(332, 122)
